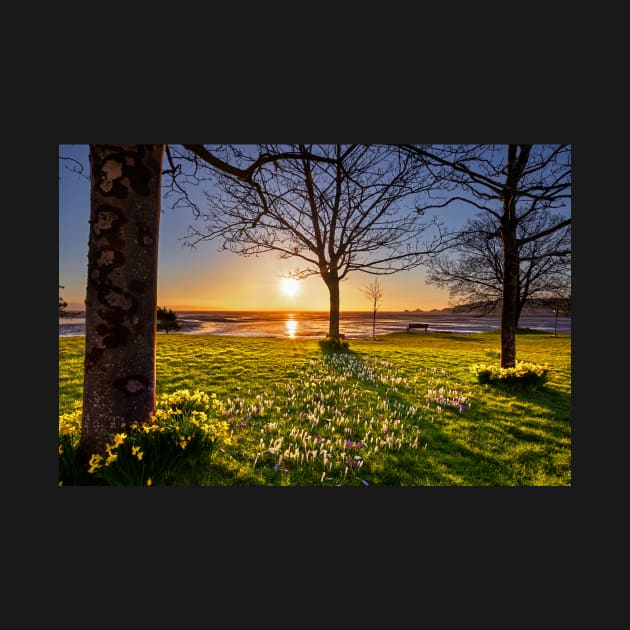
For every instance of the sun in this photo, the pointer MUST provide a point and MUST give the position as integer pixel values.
(289, 286)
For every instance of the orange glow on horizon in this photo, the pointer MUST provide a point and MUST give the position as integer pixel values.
(264, 286)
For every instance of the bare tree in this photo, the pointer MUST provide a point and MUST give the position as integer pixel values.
(511, 183)
(560, 304)
(121, 296)
(473, 271)
(336, 209)
(374, 292)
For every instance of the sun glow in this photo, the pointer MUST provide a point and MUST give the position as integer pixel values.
(289, 286)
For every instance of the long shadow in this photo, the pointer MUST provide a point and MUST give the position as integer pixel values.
(557, 402)
(444, 455)
(350, 364)
(339, 359)
(448, 456)
(555, 419)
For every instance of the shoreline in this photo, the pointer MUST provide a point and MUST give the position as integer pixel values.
(353, 324)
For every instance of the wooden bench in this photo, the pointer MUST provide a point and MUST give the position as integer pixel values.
(410, 327)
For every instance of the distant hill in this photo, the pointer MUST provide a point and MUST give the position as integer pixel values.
(533, 307)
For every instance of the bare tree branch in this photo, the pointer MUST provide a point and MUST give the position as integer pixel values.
(336, 208)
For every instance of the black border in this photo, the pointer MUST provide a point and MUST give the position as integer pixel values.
(373, 97)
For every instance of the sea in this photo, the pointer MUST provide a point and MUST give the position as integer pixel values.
(314, 325)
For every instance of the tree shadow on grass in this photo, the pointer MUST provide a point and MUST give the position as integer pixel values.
(452, 449)
(438, 458)
(546, 416)
(556, 402)
(475, 453)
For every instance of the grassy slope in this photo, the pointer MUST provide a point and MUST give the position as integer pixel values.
(503, 438)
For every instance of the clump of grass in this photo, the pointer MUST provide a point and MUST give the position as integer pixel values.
(334, 345)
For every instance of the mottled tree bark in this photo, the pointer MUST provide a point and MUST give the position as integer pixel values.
(121, 296)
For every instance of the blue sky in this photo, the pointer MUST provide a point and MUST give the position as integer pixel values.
(205, 278)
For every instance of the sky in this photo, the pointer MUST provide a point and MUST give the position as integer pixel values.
(204, 278)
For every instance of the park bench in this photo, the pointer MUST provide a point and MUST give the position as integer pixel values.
(410, 327)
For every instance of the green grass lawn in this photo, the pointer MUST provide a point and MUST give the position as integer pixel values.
(403, 409)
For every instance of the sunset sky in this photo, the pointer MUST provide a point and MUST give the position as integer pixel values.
(204, 278)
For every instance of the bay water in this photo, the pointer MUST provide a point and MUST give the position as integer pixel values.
(314, 325)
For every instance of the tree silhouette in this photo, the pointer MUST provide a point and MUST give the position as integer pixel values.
(335, 209)
(167, 320)
(512, 183)
(374, 293)
(473, 270)
(560, 304)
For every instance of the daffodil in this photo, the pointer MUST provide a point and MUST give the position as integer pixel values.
(95, 462)
(119, 438)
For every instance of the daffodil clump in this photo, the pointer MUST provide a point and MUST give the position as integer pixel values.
(174, 448)
(339, 423)
(69, 435)
(528, 375)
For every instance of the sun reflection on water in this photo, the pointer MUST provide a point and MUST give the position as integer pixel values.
(291, 326)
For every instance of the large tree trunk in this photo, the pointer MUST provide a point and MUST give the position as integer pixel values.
(332, 282)
(509, 312)
(511, 258)
(121, 297)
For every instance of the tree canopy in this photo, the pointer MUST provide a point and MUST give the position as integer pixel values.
(335, 209)
(472, 270)
(167, 319)
(516, 184)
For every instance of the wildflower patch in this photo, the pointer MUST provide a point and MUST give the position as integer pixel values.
(522, 375)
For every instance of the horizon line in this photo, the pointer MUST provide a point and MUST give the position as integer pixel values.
(286, 310)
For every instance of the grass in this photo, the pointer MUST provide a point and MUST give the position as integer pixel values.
(399, 410)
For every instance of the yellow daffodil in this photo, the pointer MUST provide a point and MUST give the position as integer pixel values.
(95, 462)
(119, 438)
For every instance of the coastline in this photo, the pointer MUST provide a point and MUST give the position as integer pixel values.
(353, 324)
